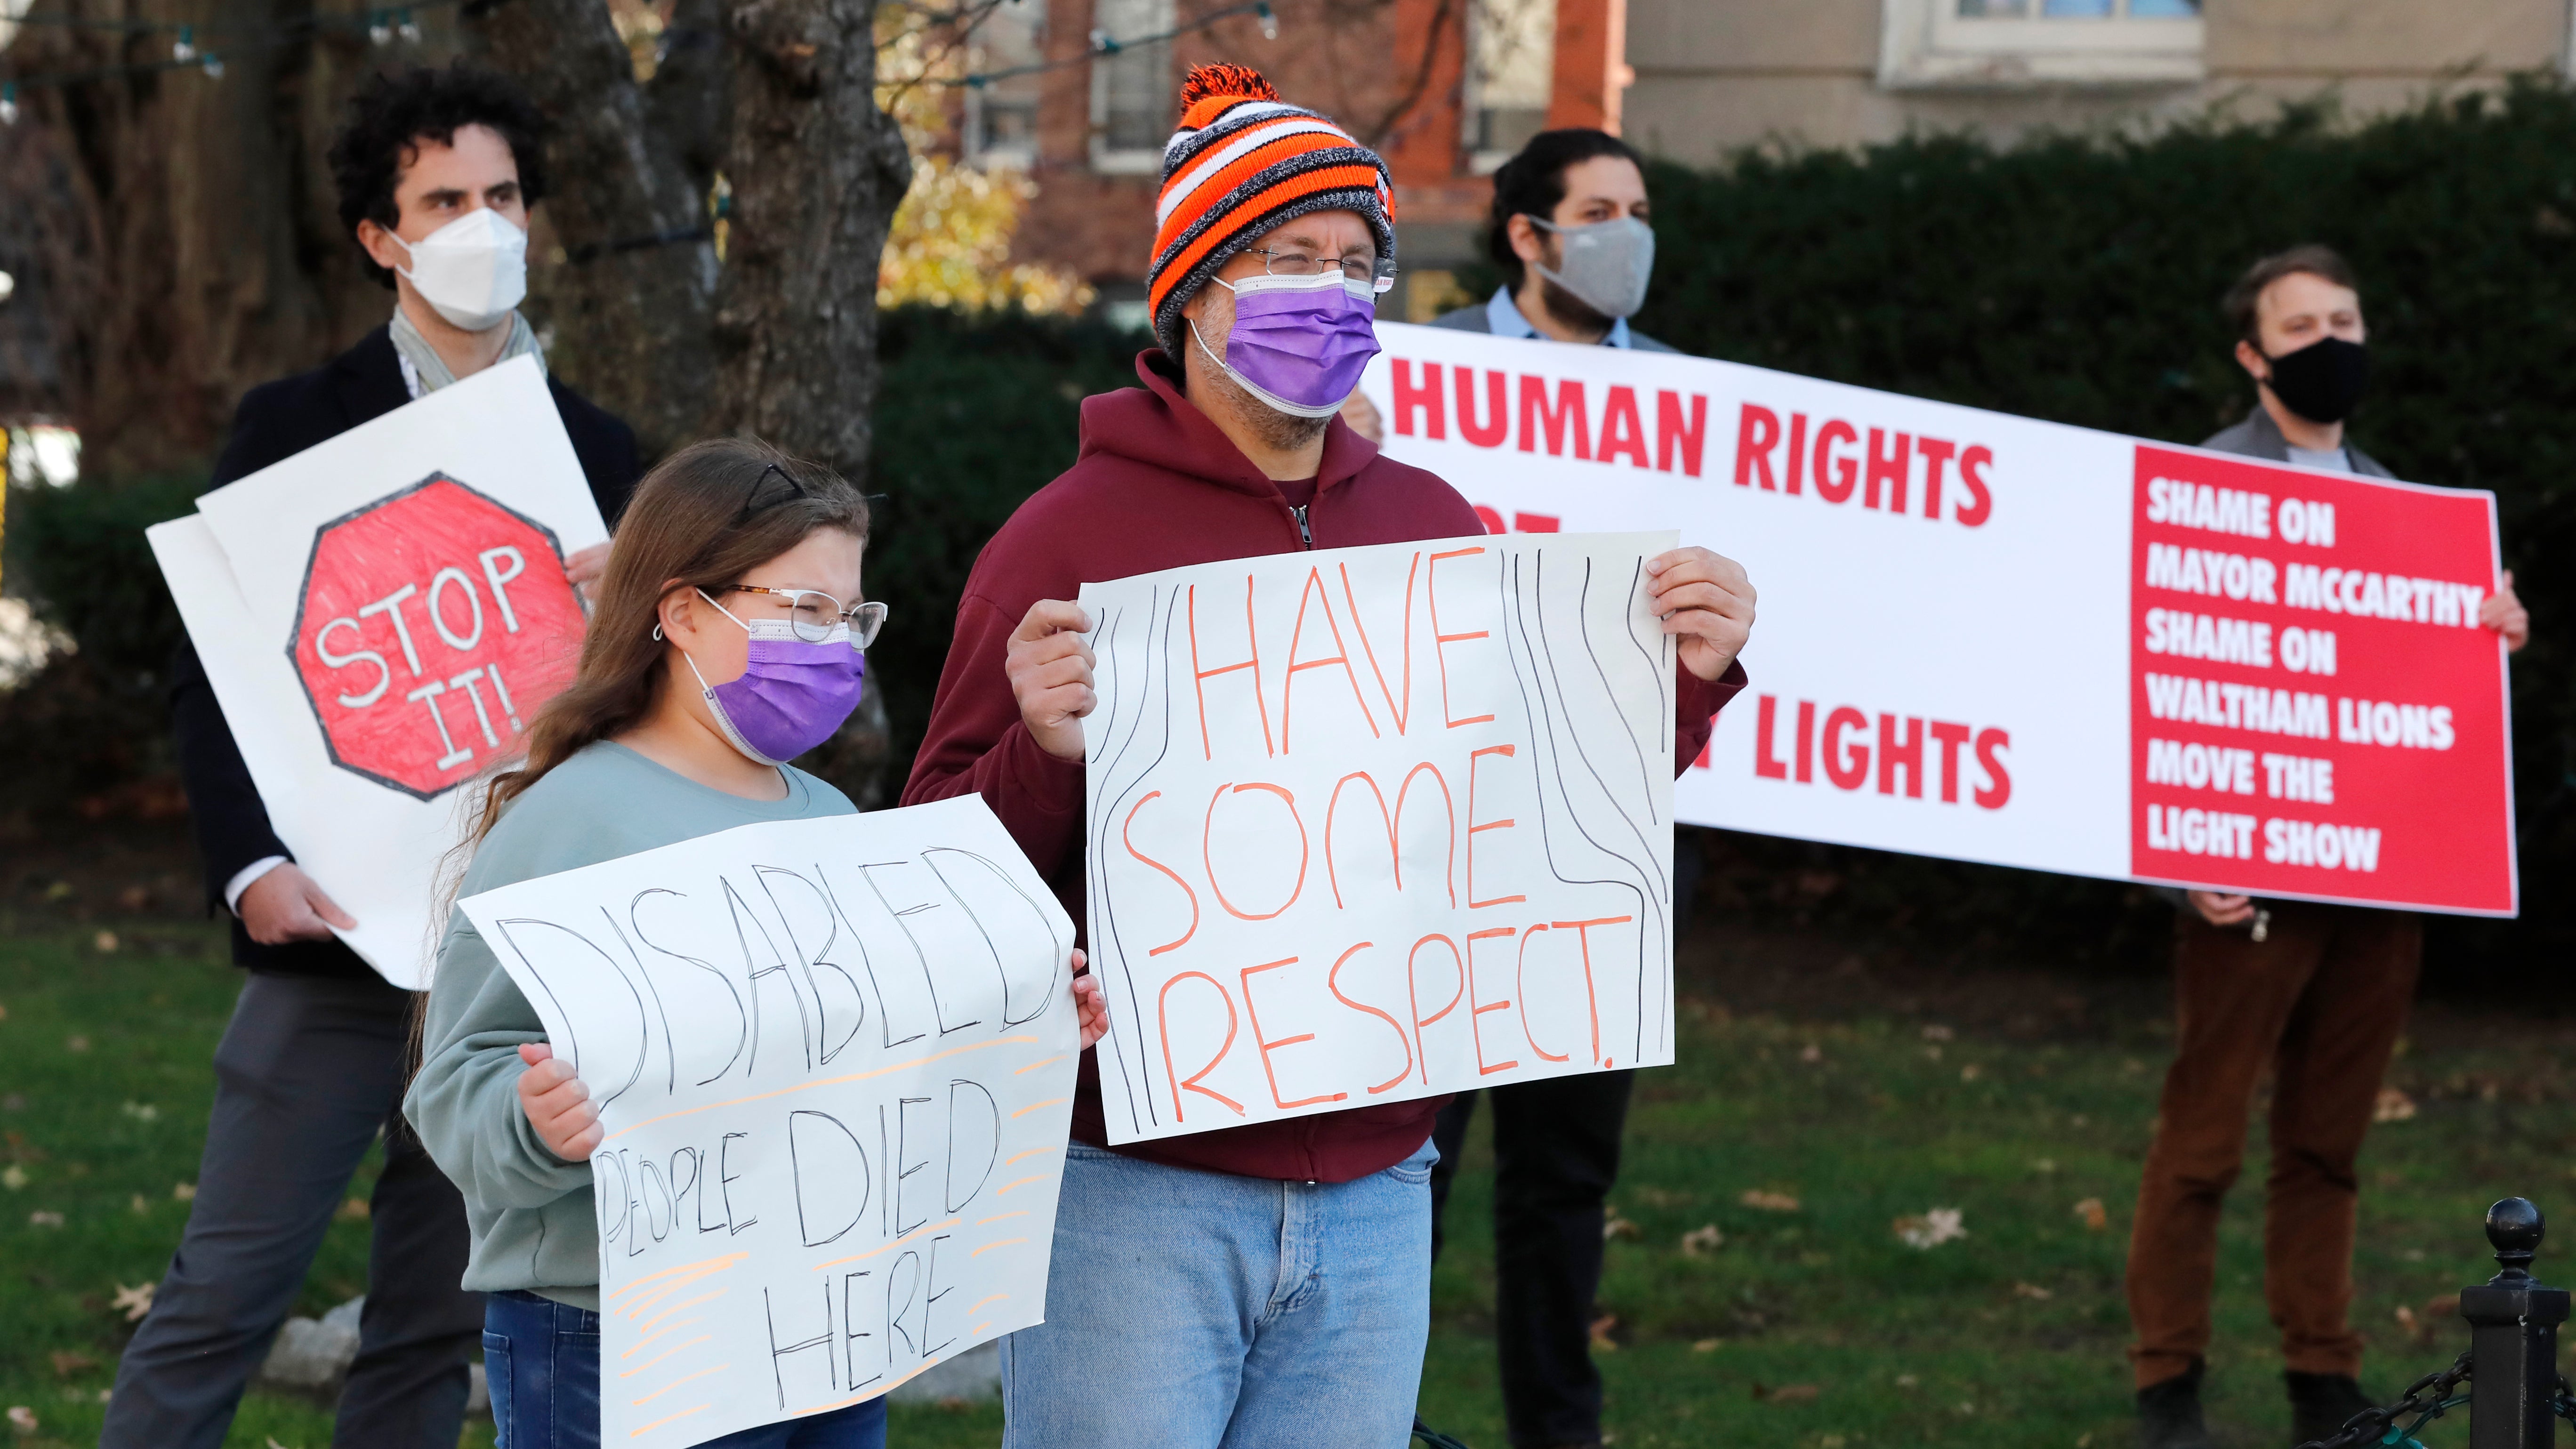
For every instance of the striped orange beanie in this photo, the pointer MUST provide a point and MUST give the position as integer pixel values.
(1243, 162)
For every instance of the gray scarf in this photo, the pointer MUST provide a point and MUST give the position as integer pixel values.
(425, 372)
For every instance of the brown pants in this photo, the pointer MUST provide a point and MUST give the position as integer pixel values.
(2321, 1002)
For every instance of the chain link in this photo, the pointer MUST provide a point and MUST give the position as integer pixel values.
(2427, 1399)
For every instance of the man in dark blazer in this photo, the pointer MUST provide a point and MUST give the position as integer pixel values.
(312, 1066)
(1568, 230)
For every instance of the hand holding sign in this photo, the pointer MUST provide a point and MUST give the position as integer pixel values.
(558, 1106)
(2503, 612)
(1706, 602)
(287, 905)
(1050, 669)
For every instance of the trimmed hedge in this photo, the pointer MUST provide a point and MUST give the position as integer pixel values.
(2077, 279)
(974, 414)
(2070, 278)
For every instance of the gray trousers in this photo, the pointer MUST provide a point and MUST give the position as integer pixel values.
(309, 1071)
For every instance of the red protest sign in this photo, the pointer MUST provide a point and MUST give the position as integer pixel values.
(2315, 709)
(431, 626)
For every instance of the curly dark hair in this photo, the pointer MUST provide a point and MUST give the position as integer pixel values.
(1533, 184)
(397, 109)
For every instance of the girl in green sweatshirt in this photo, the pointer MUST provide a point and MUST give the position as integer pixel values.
(725, 641)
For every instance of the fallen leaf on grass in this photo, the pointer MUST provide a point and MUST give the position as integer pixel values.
(1769, 1202)
(355, 1210)
(141, 1204)
(133, 1302)
(66, 1363)
(2043, 1165)
(183, 1192)
(1937, 1033)
(2416, 1329)
(43, 1219)
(76, 1044)
(1971, 1072)
(2032, 1291)
(2393, 1106)
(1786, 1393)
(2095, 1217)
(13, 1177)
(1812, 1053)
(22, 1418)
(1706, 1345)
(141, 1111)
(104, 941)
(1602, 1342)
(1931, 1230)
(1906, 1381)
(1699, 1242)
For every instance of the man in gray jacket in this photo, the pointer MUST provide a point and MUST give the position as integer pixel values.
(2317, 993)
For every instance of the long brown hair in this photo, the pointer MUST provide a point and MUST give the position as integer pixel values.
(707, 515)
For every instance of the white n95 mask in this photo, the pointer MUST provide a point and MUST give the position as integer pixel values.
(473, 271)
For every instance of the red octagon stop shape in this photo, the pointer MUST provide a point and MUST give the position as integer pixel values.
(431, 626)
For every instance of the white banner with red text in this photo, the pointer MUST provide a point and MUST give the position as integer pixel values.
(1988, 638)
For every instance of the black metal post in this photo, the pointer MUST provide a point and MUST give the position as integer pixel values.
(2513, 1338)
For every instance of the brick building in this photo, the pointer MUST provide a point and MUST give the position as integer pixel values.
(1396, 72)
(1445, 89)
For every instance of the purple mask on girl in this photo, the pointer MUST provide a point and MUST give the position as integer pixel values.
(791, 697)
(1299, 343)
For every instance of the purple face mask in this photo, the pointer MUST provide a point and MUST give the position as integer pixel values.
(1299, 343)
(792, 696)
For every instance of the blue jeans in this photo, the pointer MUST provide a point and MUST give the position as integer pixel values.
(1200, 1310)
(543, 1361)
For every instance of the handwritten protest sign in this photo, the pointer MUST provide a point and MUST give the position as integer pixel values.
(1376, 823)
(381, 616)
(834, 1060)
(1998, 639)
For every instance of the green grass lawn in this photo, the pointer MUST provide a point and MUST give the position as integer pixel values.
(1811, 1325)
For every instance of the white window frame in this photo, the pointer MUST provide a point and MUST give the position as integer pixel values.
(1111, 160)
(1926, 44)
(1021, 157)
(1480, 161)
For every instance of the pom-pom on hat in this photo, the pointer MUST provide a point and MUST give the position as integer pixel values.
(1243, 162)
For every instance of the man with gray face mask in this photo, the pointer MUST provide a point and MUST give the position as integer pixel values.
(1569, 230)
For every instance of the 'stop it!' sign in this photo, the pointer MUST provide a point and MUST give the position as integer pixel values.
(431, 626)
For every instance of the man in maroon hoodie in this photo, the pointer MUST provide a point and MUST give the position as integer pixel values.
(1263, 1284)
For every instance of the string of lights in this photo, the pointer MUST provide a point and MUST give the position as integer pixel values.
(385, 26)
(382, 26)
(1104, 44)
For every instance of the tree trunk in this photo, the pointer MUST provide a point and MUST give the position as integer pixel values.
(210, 256)
(626, 292)
(816, 171)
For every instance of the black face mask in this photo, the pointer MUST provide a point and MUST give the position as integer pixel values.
(2323, 380)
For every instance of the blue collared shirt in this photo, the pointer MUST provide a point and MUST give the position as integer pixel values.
(1506, 320)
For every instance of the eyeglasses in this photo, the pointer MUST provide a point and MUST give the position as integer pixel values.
(813, 614)
(751, 495)
(1380, 275)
